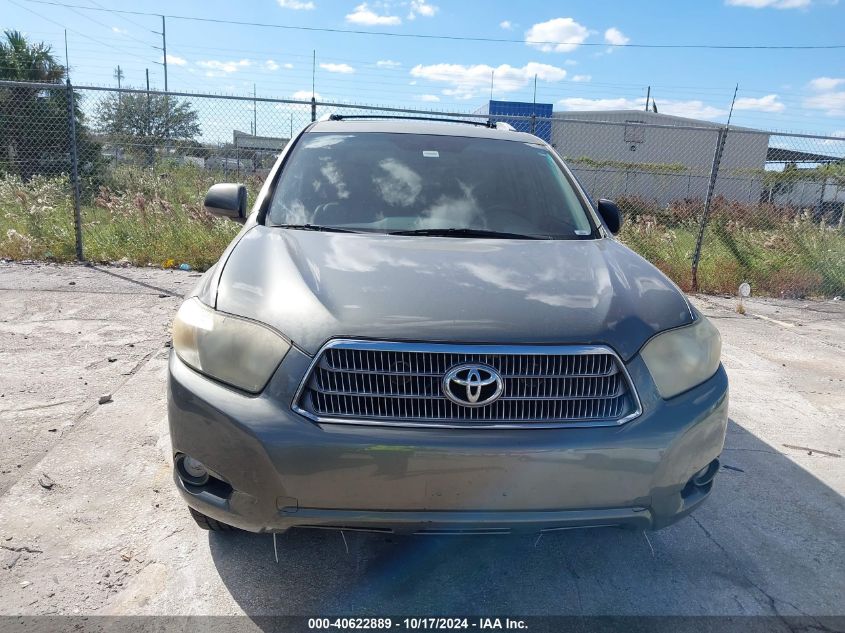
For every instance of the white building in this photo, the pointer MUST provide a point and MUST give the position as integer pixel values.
(659, 158)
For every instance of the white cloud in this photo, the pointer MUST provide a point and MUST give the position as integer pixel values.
(832, 103)
(570, 62)
(117, 29)
(506, 24)
(693, 109)
(297, 5)
(344, 69)
(271, 64)
(582, 77)
(564, 34)
(388, 63)
(218, 68)
(431, 98)
(421, 7)
(826, 83)
(287, 65)
(363, 15)
(305, 95)
(175, 60)
(465, 81)
(615, 37)
(769, 103)
(773, 4)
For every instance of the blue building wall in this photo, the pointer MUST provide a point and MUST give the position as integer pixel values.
(499, 111)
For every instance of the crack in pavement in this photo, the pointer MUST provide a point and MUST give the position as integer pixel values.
(38, 406)
(22, 548)
(79, 418)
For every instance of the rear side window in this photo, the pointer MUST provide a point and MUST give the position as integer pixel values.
(387, 182)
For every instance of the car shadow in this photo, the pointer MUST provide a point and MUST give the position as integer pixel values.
(768, 542)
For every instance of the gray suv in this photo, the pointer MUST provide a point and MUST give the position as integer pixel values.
(428, 327)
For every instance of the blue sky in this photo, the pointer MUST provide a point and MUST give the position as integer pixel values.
(783, 90)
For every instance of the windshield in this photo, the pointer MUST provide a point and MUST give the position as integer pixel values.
(410, 182)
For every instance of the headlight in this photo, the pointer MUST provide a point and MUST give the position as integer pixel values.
(681, 359)
(236, 351)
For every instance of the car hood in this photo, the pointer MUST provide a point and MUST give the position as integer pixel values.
(314, 286)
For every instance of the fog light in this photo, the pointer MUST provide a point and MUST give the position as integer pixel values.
(191, 471)
(706, 474)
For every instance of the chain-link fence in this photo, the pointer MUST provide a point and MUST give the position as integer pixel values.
(711, 206)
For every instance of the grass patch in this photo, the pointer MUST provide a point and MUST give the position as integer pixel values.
(799, 259)
(141, 216)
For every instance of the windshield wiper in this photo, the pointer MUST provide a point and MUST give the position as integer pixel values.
(314, 227)
(467, 232)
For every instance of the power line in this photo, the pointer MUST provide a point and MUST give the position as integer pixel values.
(453, 37)
(124, 18)
(381, 71)
(43, 17)
(106, 26)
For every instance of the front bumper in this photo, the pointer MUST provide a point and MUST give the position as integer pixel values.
(282, 470)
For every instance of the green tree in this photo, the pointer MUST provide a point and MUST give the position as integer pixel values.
(146, 121)
(34, 130)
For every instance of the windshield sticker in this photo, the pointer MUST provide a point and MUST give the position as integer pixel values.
(431, 153)
(582, 232)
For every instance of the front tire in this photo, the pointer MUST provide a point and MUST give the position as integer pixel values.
(207, 523)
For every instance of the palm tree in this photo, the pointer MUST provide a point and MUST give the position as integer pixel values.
(22, 61)
(34, 127)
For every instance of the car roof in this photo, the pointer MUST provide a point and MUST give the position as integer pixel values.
(396, 126)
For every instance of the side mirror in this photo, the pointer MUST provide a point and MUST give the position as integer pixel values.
(227, 200)
(611, 215)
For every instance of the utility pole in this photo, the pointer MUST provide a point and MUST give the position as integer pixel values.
(164, 49)
(166, 97)
(534, 107)
(647, 97)
(118, 74)
(254, 113)
(492, 74)
(313, 85)
(67, 60)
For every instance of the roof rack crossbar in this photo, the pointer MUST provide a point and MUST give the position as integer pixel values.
(343, 117)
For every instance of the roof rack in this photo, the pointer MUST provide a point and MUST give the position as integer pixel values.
(344, 117)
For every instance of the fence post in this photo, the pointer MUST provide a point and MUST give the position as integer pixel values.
(841, 209)
(313, 109)
(714, 173)
(74, 169)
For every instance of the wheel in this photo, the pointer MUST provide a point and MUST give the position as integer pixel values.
(207, 523)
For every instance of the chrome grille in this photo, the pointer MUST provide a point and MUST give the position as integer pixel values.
(401, 384)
